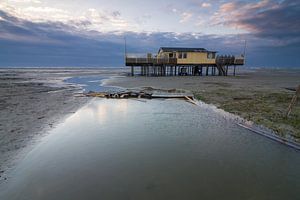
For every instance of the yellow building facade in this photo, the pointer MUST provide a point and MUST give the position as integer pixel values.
(188, 56)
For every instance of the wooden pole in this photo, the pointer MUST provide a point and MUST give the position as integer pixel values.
(201, 70)
(132, 71)
(234, 70)
(226, 70)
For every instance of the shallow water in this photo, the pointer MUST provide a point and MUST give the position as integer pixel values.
(91, 83)
(158, 149)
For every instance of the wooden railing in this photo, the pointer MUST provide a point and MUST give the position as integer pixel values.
(136, 61)
(230, 60)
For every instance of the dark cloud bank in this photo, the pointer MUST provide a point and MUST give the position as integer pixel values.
(275, 42)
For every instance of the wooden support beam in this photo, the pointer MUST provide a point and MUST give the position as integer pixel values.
(226, 71)
(132, 71)
(175, 70)
(234, 70)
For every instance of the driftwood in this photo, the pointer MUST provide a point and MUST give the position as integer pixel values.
(120, 95)
(293, 102)
(191, 100)
(142, 94)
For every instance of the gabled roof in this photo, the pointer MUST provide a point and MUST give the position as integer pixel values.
(180, 49)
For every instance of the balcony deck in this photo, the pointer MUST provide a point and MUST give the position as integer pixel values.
(148, 61)
(138, 61)
(154, 66)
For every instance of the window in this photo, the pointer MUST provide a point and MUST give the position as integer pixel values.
(171, 55)
(211, 55)
(180, 55)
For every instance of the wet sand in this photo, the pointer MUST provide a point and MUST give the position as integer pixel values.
(261, 95)
(33, 101)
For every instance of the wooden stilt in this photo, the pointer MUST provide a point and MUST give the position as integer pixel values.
(234, 70)
(226, 73)
(132, 71)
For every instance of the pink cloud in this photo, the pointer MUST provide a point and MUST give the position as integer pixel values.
(234, 14)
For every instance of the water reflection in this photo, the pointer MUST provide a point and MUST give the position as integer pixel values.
(126, 149)
(105, 112)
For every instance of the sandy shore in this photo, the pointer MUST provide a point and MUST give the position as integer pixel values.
(32, 101)
(261, 95)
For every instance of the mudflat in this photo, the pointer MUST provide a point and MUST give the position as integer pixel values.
(32, 101)
(258, 95)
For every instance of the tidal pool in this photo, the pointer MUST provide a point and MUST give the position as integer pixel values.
(91, 83)
(154, 149)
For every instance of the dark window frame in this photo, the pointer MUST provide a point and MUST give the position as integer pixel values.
(211, 55)
(180, 55)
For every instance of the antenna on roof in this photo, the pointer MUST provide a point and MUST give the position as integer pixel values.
(244, 54)
(245, 45)
(125, 48)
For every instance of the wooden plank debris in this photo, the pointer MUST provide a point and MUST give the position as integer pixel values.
(144, 93)
(191, 100)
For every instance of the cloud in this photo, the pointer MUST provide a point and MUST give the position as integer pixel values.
(143, 19)
(26, 43)
(105, 21)
(52, 43)
(186, 16)
(205, 5)
(277, 21)
(25, 1)
(58, 44)
(91, 19)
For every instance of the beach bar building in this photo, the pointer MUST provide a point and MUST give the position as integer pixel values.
(173, 61)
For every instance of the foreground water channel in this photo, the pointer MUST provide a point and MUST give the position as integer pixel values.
(154, 149)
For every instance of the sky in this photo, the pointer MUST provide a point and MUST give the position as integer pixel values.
(91, 33)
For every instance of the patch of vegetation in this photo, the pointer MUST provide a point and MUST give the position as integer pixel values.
(263, 108)
(200, 97)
